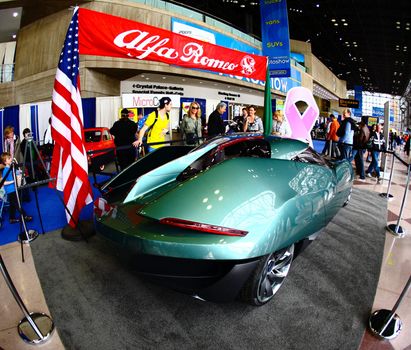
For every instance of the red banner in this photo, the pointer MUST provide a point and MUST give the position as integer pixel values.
(106, 35)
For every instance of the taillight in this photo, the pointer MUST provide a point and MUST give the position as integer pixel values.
(198, 226)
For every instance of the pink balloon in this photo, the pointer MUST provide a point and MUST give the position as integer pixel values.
(301, 125)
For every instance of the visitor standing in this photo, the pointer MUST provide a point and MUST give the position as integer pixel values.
(215, 124)
(346, 134)
(157, 126)
(124, 132)
(377, 142)
(191, 125)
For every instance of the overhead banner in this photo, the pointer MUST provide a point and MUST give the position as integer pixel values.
(275, 36)
(106, 35)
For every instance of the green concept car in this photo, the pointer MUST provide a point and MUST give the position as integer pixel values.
(224, 219)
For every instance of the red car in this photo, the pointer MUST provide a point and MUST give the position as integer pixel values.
(100, 147)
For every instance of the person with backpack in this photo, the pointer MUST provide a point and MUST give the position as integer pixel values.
(157, 126)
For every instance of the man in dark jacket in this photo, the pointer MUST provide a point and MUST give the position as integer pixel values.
(215, 124)
(124, 132)
(361, 137)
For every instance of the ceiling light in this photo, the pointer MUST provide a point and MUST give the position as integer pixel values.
(398, 27)
(333, 20)
(15, 14)
(398, 22)
(164, 77)
(242, 5)
(142, 75)
(147, 78)
(345, 23)
(14, 36)
(317, 5)
(183, 79)
(342, 19)
(336, 24)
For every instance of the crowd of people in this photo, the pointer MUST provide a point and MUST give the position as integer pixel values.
(154, 131)
(351, 140)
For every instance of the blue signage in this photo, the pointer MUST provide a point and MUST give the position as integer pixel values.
(378, 112)
(358, 96)
(275, 36)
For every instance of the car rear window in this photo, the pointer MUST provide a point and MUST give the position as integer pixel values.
(256, 148)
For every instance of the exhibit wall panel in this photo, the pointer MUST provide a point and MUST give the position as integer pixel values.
(325, 77)
(107, 110)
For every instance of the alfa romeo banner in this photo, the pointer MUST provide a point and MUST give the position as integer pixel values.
(106, 35)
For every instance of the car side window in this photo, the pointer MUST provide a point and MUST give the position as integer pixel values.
(248, 148)
(105, 135)
(310, 156)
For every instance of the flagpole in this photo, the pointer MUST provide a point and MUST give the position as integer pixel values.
(268, 114)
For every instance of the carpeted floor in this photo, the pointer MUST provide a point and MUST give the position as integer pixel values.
(99, 303)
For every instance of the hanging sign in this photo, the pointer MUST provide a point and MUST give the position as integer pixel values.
(106, 35)
(275, 36)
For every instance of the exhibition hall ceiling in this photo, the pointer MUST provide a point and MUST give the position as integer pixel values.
(365, 42)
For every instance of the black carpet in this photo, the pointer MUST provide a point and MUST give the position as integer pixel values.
(99, 303)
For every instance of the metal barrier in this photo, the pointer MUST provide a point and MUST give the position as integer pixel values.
(397, 230)
(34, 328)
(387, 194)
(385, 323)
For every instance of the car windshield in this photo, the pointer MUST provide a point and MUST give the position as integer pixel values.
(256, 148)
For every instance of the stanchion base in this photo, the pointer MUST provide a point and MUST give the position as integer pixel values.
(400, 231)
(73, 234)
(43, 322)
(389, 197)
(377, 322)
(31, 236)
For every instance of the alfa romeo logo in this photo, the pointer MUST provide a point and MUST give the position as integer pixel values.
(247, 63)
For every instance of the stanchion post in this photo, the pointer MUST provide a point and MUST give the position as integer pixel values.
(387, 324)
(397, 230)
(46, 323)
(388, 195)
(330, 148)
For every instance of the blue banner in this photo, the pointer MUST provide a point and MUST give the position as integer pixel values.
(275, 36)
(358, 96)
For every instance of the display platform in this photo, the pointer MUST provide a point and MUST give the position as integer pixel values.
(97, 302)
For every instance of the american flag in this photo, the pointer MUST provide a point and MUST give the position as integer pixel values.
(69, 164)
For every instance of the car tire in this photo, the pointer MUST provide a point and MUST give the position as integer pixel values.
(267, 277)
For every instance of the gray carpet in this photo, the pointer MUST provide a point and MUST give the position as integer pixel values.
(98, 303)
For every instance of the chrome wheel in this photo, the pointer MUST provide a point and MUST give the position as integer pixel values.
(272, 276)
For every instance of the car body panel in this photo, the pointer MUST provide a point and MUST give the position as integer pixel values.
(273, 193)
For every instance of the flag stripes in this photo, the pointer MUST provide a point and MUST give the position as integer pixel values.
(69, 163)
